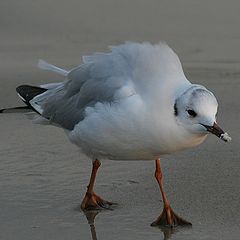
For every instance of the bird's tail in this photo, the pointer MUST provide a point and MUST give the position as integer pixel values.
(28, 92)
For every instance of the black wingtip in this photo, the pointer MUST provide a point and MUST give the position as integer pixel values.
(15, 109)
(27, 92)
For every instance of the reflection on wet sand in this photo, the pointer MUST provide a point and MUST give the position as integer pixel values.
(91, 215)
(167, 231)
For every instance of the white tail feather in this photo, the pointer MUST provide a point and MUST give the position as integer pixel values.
(47, 66)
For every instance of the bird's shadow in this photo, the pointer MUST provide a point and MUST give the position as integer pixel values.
(167, 231)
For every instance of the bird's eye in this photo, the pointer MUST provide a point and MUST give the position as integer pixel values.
(192, 113)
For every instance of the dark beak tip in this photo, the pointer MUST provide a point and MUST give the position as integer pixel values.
(216, 130)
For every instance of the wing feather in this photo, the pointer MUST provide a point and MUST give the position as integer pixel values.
(129, 69)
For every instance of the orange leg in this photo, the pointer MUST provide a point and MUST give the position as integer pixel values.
(167, 218)
(91, 200)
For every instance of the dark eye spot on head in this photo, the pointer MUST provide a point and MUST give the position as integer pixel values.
(175, 109)
(192, 113)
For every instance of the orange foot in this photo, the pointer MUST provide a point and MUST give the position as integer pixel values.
(169, 219)
(92, 201)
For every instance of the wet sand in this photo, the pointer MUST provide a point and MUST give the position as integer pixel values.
(43, 177)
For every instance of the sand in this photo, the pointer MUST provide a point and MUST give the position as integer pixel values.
(43, 177)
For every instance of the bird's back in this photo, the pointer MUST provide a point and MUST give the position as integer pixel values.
(130, 68)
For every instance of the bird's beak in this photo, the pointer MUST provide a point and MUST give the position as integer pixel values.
(216, 130)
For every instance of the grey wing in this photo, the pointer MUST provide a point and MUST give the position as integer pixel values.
(102, 78)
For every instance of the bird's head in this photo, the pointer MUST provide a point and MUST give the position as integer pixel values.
(196, 110)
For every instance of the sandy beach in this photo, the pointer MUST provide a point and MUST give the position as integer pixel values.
(43, 177)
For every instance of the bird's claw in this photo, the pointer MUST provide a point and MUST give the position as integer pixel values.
(169, 219)
(92, 201)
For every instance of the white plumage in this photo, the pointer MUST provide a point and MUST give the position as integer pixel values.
(131, 103)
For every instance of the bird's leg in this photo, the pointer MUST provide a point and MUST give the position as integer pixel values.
(167, 218)
(91, 200)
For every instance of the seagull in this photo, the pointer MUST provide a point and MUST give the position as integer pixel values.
(131, 103)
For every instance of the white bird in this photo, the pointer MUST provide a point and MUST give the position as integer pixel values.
(133, 103)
